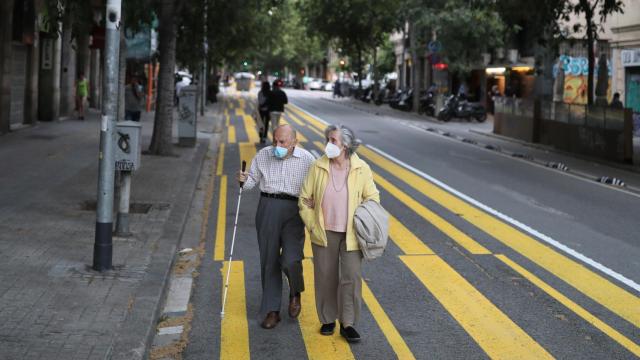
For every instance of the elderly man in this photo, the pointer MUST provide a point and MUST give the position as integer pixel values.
(279, 170)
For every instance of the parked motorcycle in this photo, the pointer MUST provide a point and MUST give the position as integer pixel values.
(454, 107)
(403, 100)
(427, 104)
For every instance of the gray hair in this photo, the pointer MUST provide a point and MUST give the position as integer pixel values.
(347, 137)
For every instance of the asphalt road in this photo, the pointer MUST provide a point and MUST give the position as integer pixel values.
(490, 257)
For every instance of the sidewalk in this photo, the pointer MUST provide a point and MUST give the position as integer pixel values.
(481, 134)
(52, 305)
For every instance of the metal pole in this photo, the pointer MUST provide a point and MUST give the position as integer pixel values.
(122, 221)
(103, 246)
(204, 63)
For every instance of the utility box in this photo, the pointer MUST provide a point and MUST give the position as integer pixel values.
(128, 145)
(187, 116)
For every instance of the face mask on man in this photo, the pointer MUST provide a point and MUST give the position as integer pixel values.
(280, 152)
(332, 150)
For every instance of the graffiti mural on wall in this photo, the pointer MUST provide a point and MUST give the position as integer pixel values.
(576, 70)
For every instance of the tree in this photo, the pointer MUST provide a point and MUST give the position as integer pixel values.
(161, 141)
(595, 14)
(359, 26)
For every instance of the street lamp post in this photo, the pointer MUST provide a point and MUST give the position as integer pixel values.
(103, 245)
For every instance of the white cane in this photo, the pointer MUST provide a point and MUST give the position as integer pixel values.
(233, 242)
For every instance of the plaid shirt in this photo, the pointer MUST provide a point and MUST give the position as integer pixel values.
(277, 176)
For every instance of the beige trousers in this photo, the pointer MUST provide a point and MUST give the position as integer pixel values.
(338, 280)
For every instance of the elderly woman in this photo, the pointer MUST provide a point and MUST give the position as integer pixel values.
(336, 184)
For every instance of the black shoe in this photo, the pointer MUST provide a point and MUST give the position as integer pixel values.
(327, 329)
(350, 334)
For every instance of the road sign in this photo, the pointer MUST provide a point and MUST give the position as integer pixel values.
(434, 46)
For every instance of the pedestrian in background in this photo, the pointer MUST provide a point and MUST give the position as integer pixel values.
(615, 102)
(276, 101)
(133, 100)
(279, 171)
(337, 184)
(263, 109)
(82, 92)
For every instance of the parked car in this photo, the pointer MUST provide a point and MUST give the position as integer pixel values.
(315, 84)
(327, 85)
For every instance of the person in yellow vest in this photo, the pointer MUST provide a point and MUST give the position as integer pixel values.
(337, 183)
(82, 92)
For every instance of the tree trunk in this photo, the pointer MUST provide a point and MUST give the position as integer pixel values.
(68, 71)
(415, 73)
(161, 141)
(590, 38)
(6, 15)
(375, 72)
(359, 69)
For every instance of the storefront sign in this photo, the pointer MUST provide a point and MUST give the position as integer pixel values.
(630, 57)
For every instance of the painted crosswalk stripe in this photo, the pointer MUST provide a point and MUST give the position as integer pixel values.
(388, 329)
(247, 153)
(220, 164)
(494, 332)
(231, 134)
(595, 286)
(405, 239)
(234, 332)
(221, 226)
(318, 346)
(250, 128)
(579, 310)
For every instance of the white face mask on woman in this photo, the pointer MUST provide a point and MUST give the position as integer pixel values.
(332, 150)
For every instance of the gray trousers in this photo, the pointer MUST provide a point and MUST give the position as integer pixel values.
(281, 243)
(338, 280)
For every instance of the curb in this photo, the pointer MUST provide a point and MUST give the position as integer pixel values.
(629, 168)
(134, 337)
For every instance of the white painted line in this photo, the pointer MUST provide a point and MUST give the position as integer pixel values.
(515, 223)
(171, 330)
(178, 297)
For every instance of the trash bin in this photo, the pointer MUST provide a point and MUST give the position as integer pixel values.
(187, 116)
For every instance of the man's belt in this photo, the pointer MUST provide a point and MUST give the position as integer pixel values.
(279, 196)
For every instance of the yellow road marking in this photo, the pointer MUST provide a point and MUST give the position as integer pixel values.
(318, 346)
(315, 122)
(234, 332)
(220, 167)
(595, 286)
(247, 153)
(290, 116)
(406, 240)
(227, 120)
(494, 332)
(308, 254)
(579, 310)
(390, 332)
(451, 231)
(231, 134)
(221, 227)
(250, 127)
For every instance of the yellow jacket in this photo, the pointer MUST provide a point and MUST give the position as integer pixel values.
(361, 188)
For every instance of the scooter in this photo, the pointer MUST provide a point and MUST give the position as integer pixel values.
(454, 107)
(403, 101)
(427, 104)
